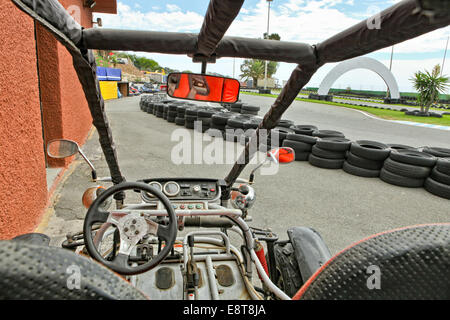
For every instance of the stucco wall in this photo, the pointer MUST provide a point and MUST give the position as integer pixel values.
(65, 110)
(65, 113)
(22, 163)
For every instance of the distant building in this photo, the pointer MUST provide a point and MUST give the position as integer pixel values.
(270, 83)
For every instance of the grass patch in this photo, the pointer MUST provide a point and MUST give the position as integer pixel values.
(381, 113)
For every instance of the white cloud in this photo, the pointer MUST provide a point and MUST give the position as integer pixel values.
(172, 7)
(175, 20)
(296, 20)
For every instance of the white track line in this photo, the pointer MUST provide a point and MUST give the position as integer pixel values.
(409, 123)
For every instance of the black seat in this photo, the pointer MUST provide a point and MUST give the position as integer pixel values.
(30, 271)
(408, 264)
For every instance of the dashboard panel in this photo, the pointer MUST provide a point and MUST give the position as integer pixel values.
(184, 189)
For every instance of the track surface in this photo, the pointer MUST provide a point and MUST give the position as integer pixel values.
(343, 208)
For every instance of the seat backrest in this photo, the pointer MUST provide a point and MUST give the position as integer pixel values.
(29, 271)
(407, 264)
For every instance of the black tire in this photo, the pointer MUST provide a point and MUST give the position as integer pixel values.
(302, 156)
(282, 132)
(371, 150)
(252, 124)
(360, 172)
(334, 144)
(406, 170)
(327, 134)
(173, 108)
(180, 121)
(438, 189)
(440, 177)
(205, 121)
(236, 123)
(159, 115)
(171, 114)
(401, 181)
(288, 277)
(189, 124)
(250, 108)
(191, 112)
(400, 147)
(325, 163)
(297, 146)
(363, 163)
(285, 123)
(206, 113)
(322, 153)
(218, 127)
(221, 118)
(437, 152)
(304, 129)
(443, 165)
(302, 138)
(413, 157)
(171, 119)
(252, 113)
(190, 118)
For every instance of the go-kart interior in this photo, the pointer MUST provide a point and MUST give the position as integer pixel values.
(138, 238)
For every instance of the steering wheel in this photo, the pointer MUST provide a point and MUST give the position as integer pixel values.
(132, 228)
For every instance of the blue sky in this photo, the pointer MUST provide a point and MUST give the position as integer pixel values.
(309, 21)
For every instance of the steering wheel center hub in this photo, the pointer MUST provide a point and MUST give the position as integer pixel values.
(133, 226)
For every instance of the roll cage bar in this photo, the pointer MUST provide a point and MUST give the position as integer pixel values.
(403, 21)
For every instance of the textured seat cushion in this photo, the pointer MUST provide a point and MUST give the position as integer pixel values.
(38, 272)
(408, 263)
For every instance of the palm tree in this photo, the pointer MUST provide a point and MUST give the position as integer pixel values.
(252, 69)
(429, 85)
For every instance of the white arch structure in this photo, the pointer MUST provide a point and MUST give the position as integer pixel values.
(360, 63)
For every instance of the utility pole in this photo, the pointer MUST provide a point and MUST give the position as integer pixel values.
(445, 55)
(268, 23)
(388, 93)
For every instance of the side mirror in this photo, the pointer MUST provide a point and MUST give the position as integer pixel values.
(200, 87)
(282, 155)
(61, 148)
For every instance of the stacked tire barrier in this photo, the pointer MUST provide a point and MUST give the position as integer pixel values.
(396, 164)
(180, 119)
(302, 145)
(439, 181)
(407, 168)
(366, 158)
(234, 128)
(329, 152)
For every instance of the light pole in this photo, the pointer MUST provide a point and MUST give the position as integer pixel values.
(268, 22)
(390, 69)
(445, 55)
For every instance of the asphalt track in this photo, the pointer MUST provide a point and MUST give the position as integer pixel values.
(341, 207)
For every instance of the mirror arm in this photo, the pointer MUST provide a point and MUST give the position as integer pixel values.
(252, 174)
(94, 172)
(204, 64)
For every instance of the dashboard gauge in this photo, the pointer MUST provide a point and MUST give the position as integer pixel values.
(171, 188)
(155, 185)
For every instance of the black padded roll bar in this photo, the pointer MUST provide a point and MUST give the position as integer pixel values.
(186, 43)
(218, 18)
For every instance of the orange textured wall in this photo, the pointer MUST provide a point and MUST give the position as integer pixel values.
(65, 110)
(58, 94)
(22, 164)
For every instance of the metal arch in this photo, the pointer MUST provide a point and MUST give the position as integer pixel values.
(360, 63)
